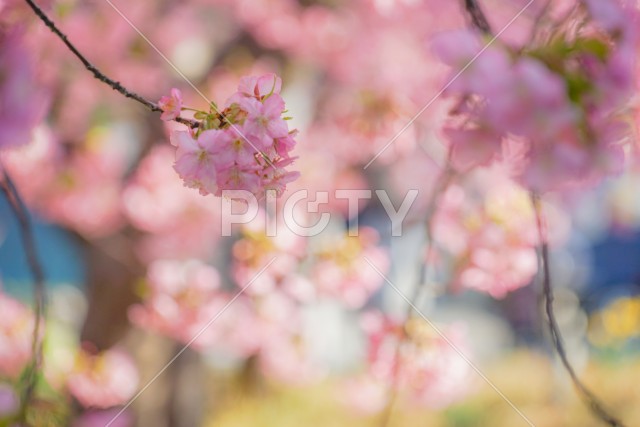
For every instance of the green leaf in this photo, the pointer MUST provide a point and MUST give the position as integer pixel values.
(577, 86)
(596, 47)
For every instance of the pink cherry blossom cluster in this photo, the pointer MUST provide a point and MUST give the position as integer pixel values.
(552, 111)
(184, 300)
(426, 368)
(180, 299)
(277, 278)
(486, 234)
(335, 267)
(490, 233)
(246, 146)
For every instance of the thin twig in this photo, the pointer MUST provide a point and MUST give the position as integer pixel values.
(478, 18)
(441, 185)
(39, 295)
(152, 106)
(590, 399)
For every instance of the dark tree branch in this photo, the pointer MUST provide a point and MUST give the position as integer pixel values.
(590, 399)
(478, 17)
(97, 73)
(39, 295)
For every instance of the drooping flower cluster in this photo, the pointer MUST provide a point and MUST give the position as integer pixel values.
(552, 111)
(246, 146)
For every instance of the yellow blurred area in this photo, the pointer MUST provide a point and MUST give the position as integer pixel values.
(616, 323)
(534, 385)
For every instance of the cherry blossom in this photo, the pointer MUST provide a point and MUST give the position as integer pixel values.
(544, 107)
(562, 101)
(194, 159)
(171, 105)
(245, 147)
(264, 121)
(258, 87)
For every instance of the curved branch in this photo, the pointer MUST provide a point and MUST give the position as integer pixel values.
(478, 17)
(152, 106)
(39, 295)
(587, 395)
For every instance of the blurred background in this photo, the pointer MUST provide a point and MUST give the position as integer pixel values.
(136, 265)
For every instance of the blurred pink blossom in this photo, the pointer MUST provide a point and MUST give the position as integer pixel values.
(283, 252)
(177, 222)
(181, 297)
(341, 267)
(16, 334)
(563, 101)
(492, 235)
(426, 369)
(102, 380)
